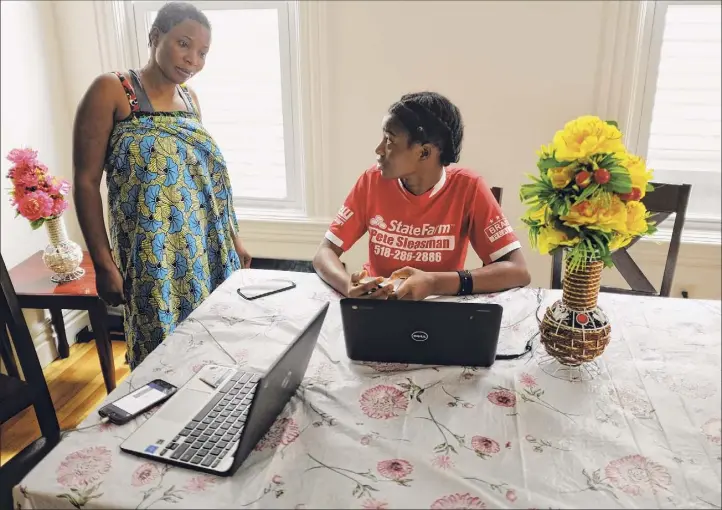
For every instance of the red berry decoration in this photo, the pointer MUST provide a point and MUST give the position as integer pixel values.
(582, 318)
(602, 176)
(635, 194)
(583, 179)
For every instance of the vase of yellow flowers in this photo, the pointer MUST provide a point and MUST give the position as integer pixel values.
(587, 201)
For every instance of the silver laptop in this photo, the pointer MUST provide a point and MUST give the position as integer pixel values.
(213, 429)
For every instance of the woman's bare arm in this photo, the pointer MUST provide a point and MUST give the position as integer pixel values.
(93, 124)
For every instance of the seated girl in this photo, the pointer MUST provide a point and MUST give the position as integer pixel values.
(421, 215)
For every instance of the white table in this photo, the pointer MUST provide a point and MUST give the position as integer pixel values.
(645, 433)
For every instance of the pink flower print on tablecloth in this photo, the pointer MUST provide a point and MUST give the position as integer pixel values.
(634, 473)
(372, 504)
(527, 380)
(511, 495)
(394, 469)
(365, 440)
(484, 447)
(197, 366)
(283, 432)
(442, 462)
(200, 483)
(502, 398)
(383, 402)
(145, 474)
(84, 467)
(458, 501)
(713, 430)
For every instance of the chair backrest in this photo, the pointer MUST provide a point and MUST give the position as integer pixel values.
(497, 192)
(17, 395)
(665, 200)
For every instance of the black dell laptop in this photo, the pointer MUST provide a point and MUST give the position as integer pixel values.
(421, 332)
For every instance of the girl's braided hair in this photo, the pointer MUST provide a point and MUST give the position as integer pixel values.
(429, 117)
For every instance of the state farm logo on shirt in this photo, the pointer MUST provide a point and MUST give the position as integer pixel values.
(397, 234)
(343, 215)
(498, 227)
(378, 221)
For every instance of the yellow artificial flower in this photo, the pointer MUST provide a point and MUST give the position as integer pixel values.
(611, 215)
(544, 152)
(619, 241)
(550, 238)
(636, 218)
(538, 216)
(560, 176)
(586, 136)
(638, 172)
(600, 213)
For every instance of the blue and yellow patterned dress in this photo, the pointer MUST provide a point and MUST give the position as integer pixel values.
(170, 216)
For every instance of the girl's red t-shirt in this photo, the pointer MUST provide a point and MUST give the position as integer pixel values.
(430, 232)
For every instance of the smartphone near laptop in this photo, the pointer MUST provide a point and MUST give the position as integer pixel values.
(215, 420)
(137, 402)
(265, 288)
(396, 283)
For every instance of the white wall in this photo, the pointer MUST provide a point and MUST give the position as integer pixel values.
(34, 113)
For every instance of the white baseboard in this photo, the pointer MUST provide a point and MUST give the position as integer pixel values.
(46, 341)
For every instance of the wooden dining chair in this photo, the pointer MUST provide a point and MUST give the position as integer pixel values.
(17, 394)
(498, 193)
(665, 200)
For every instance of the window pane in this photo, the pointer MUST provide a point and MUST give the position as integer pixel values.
(239, 91)
(684, 142)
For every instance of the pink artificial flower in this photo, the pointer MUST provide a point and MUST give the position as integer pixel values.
(23, 157)
(59, 206)
(35, 205)
(25, 178)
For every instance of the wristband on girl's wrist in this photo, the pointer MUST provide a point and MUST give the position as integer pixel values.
(466, 284)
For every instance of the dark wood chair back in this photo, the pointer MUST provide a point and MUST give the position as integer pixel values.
(665, 200)
(497, 192)
(18, 394)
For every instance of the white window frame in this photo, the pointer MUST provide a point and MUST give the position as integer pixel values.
(294, 203)
(629, 93)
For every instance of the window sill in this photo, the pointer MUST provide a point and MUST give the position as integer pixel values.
(281, 226)
(689, 236)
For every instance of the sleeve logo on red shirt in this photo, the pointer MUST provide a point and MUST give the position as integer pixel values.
(498, 228)
(343, 215)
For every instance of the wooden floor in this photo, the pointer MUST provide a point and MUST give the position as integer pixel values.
(76, 387)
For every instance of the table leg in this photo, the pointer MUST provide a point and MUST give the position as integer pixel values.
(56, 315)
(99, 321)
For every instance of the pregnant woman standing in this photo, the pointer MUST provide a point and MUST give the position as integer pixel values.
(173, 230)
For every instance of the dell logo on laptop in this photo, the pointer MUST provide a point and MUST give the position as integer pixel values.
(419, 336)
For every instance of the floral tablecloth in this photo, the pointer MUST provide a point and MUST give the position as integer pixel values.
(645, 433)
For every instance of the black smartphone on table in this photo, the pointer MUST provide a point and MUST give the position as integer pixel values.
(265, 288)
(137, 402)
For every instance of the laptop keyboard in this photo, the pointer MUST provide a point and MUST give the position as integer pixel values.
(208, 437)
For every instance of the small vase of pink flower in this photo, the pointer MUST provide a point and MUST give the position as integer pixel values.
(41, 199)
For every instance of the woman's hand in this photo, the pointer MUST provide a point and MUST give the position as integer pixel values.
(242, 252)
(368, 290)
(417, 284)
(109, 284)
